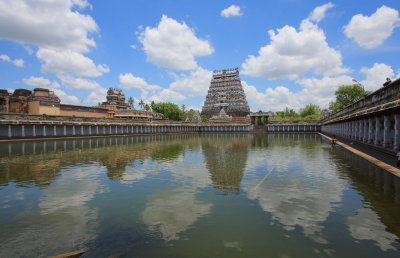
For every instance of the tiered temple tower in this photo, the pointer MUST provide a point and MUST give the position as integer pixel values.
(226, 93)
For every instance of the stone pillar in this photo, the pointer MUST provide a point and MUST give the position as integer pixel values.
(360, 129)
(386, 131)
(365, 133)
(371, 133)
(396, 142)
(378, 131)
(355, 136)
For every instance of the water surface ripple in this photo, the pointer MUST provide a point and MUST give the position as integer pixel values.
(195, 195)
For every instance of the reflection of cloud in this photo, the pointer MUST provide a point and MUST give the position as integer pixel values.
(196, 176)
(72, 189)
(51, 235)
(174, 211)
(303, 198)
(365, 225)
(65, 222)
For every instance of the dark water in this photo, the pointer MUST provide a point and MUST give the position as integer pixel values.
(192, 195)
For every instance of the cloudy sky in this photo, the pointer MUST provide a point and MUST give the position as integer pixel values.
(289, 52)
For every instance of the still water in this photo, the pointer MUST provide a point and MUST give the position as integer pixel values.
(195, 195)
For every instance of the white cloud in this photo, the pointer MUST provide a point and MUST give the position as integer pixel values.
(195, 84)
(316, 91)
(16, 62)
(167, 95)
(54, 86)
(292, 53)
(129, 81)
(372, 31)
(173, 45)
(68, 61)
(319, 91)
(318, 14)
(272, 99)
(325, 87)
(96, 96)
(65, 98)
(376, 76)
(103, 68)
(5, 58)
(61, 33)
(232, 10)
(47, 24)
(36, 81)
(78, 83)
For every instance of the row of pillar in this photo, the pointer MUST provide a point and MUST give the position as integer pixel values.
(380, 130)
(293, 128)
(21, 131)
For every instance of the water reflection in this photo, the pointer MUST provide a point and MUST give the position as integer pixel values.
(173, 211)
(225, 160)
(377, 220)
(295, 188)
(165, 194)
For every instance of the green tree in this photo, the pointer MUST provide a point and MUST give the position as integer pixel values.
(287, 114)
(183, 107)
(345, 95)
(147, 107)
(141, 103)
(131, 101)
(310, 112)
(169, 110)
(204, 118)
(190, 114)
(152, 104)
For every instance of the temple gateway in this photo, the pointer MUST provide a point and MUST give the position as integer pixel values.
(226, 94)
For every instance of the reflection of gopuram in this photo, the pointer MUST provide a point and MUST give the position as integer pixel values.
(225, 161)
(226, 92)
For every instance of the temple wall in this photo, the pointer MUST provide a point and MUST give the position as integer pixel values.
(83, 113)
(52, 129)
(38, 108)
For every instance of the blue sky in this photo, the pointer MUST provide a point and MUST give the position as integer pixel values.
(289, 52)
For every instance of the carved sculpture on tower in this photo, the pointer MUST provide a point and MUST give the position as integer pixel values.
(226, 92)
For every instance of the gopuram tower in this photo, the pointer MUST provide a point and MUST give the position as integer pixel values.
(226, 93)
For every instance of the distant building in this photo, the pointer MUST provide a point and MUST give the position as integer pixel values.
(42, 101)
(19, 101)
(115, 100)
(4, 101)
(119, 109)
(226, 92)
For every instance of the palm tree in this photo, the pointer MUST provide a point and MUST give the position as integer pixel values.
(141, 103)
(131, 101)
(183, 108)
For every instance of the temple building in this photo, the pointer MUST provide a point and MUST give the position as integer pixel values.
(226, 92)
(42, 101)
(115, 100)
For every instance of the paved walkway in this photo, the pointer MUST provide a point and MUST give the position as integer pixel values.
(384, 160)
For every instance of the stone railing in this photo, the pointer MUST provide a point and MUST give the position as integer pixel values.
(294, 122)
(386, 94)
